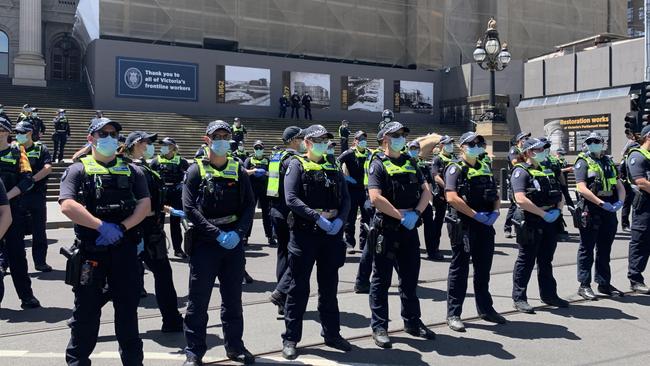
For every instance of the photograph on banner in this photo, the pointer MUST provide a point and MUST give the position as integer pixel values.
(412, 97)
(362, 94)
(243, 85)
(314, 84)
(571, 132)
(156, 79)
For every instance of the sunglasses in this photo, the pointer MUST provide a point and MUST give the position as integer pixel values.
(104, 134)
(318, 140)
(593, 142)
(398, 134)
(475, 144)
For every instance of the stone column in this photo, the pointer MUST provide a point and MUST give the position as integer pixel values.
(29, 65)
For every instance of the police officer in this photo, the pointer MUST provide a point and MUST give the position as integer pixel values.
(61, 134)
(400, 194)
(427, 214)
(219, 202)
(387, 116)
(560, 154)
(34, 200)
(539, 200)
(139, 147)
(306, 104)
(3, 114)
(107, 199)
(601, 195)
(331, 151)
(514, 157)
(172, 167)
(344, 134)
(627, 184)
(5, 222)
(471, 192)
(24, 114)
(240, 151)
(294, 145)
(16, 175)
(555, 165)
(295, 105)
(37, 123)
(238, 131)
(317, 196)
(438, 165)
(257, 167)
(638, 164)
(353, 161)
(284, 103)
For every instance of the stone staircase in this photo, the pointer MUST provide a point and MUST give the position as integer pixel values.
(58, 94)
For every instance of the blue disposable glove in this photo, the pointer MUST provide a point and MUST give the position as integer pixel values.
(351, 180)
(494, 215)
(259, 172)
(482, 217)
(324, 224)
(221, 238)
(140, 247)
(409, 220)
(552, 215)
(231, 240)
(109, 234)
(336, 227)
(177, 213)
(618, 205)
(609, 207)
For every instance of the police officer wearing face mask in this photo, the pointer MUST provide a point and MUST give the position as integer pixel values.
(219, 202)
(238, 131)
(139, 147)
(353, 161)
(331, 150)
(601, 195)
(344, 135)
(240, 152)
(514, 157)
(293, 145)
(34, 200)
(16, 174)
(257, 167)
(627, 184)
(37, 123)
(317, 196)
(24, 114)
(400, 194)
(539, 200)
(61, 134)
(172, 167)
(472, 194)
(638, 163)
(438, 165)
(107, 199)
(3, 114)
(387, 116)
(427, 214)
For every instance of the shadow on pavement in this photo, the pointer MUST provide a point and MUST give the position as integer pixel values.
(433, 294)
(48, 315)
(446, 345)
(527, 330)
(350, 320)
(54, 275)
(259, 286)
(375, 355)
(591, 312)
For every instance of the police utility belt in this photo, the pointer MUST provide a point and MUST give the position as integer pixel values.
(297, 222)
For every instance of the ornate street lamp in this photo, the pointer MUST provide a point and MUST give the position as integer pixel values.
(492, 55)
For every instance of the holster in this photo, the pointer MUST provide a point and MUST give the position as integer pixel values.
(528, 233)
(72, 265)
(188, 236)
(381, 225)
(155, 243)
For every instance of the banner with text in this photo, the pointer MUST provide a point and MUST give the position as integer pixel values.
(571, 132)
(153, 79)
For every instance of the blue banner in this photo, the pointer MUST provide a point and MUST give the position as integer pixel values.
(153, 79)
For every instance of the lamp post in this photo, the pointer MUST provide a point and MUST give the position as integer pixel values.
(492, 55)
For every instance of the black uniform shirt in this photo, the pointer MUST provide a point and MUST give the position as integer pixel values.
(377, 177)
(452, 174)
(520, 179)
(513, 154)
(354, 165)
(293, 190)
(638, 165)
(37, 165)
(73, 178)
(3, 195)
(192, 208)
(344, 132)
(183, 166)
